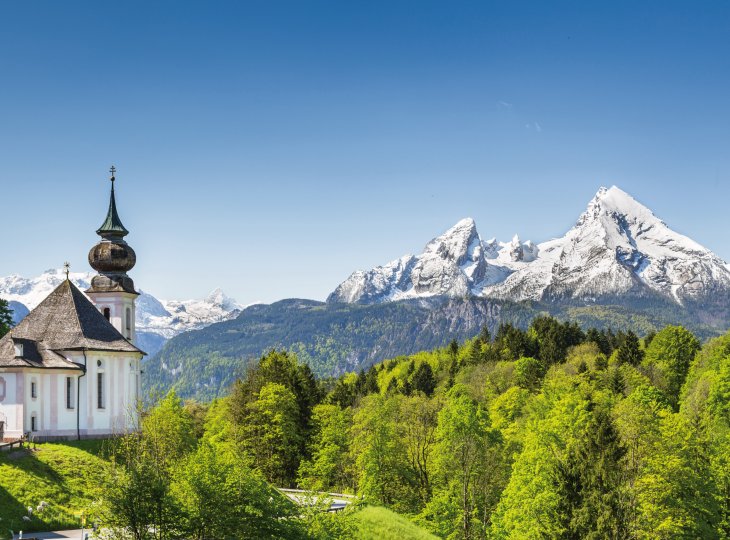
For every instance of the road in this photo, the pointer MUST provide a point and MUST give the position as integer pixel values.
(72, 535)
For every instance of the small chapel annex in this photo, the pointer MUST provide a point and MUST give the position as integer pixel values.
(70, 369)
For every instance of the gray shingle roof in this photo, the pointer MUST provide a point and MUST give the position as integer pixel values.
(65, 320)
(34, 355)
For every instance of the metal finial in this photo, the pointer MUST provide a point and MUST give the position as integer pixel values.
(67, 268)
(113, 170)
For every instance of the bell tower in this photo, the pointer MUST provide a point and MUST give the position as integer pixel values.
(112, 290)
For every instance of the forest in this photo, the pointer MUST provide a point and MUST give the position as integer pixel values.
(549, 432)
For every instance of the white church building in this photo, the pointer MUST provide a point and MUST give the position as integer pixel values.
(70, 369)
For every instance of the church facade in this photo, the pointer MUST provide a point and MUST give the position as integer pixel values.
(70, 368)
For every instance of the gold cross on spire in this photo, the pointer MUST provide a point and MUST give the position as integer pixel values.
(113, 170)
(67, 268)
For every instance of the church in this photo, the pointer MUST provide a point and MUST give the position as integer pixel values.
(70, 369)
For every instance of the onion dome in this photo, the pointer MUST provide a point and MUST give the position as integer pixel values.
(112, 257)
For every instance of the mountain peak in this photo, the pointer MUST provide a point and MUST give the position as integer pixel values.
(455, 241)
(615, 203)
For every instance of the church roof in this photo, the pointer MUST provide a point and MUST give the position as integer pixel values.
(66, 320)
(34, 355)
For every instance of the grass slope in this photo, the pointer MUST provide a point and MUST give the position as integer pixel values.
(376, 522)
(65, 475)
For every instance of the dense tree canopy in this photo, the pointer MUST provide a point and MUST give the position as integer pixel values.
(549, 432)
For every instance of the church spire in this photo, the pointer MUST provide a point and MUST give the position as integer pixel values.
(112, 226)
(112, 257)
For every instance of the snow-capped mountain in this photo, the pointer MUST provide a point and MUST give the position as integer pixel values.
(617, 247)
(457, 263)
(165, 318)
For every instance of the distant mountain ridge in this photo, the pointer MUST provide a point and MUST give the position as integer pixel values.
(157, 320)
(617, 247)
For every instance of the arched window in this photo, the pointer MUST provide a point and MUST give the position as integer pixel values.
(129, 323)
(107, 313)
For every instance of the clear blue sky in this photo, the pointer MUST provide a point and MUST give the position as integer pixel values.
(271, 148)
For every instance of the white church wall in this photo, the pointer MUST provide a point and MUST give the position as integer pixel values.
(118, 414)
(11, 408)
(31, 397)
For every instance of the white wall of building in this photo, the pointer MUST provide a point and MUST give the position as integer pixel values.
(122, 310)
(11, 407)
(120, 393)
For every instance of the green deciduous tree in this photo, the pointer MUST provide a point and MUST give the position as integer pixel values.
(418, 420)
(466, 458)
(137, 492)
(529, 373)
(670, 354)
(329, 468)
(380, 455)
(270, 434)
(220, 497)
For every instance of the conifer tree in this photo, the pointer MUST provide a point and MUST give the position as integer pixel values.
(629, 352)
(6, 319)
(424, 379)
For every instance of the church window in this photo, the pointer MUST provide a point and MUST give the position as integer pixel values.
(69, 392)
(33, 389)
(100, 390)
(129, 323)
(107, 313)
(18, 350)
(33, 423)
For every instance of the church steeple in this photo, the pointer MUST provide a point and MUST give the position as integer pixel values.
(112, 226)
(112, 257)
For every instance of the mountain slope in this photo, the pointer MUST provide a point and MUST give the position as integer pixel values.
(335, 338)
(332, 338)
(617, 247)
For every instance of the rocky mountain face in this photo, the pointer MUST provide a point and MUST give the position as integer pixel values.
(157, 320)
(618, 247)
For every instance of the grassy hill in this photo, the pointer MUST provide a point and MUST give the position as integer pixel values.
(65, 475)
(376, 522)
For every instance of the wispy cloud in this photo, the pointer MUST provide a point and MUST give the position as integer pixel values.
(504, 105)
